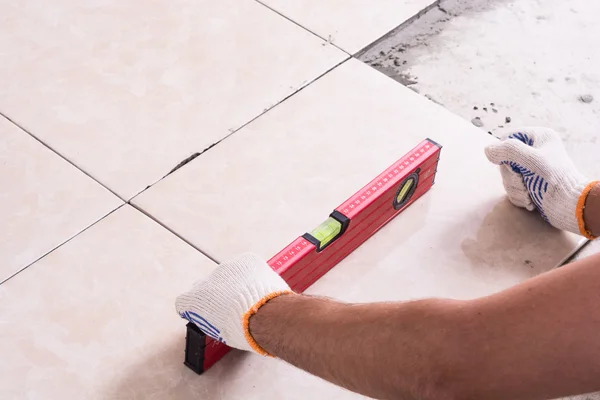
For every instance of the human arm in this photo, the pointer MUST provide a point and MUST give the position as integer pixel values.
(434, 348)
(537, 340)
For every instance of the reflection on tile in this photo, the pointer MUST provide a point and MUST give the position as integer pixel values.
(95, 319)
(96, 311)
(44, 200)
(452, 249)
(295, 164)
(350, 24)
(127, 90)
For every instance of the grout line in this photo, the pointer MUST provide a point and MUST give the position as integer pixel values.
(569, 258)
(359, 53)
(60, 155)
(210, 147)
(245, 124)
(303, 27)
(397, 29)
(128, 202)
(60, 245)
(204, 253)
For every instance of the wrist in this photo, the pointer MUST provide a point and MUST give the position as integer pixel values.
(262, 307)
(283, 319)
(591, 212)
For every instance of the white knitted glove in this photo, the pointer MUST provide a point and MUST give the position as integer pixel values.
(222, 305)
(538, 174)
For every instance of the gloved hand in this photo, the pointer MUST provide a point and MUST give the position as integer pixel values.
(538, 174)
(222, 305)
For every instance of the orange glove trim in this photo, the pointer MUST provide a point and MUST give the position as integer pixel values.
(581, 207)
(253, 310)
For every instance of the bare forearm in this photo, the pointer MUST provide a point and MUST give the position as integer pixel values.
(537, 340)
(382, 350)
(591, 212)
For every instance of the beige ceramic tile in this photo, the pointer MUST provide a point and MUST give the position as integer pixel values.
(127, 90)
(95, 319)
(350, 24)
(293, 165)
(43, 201)
(283, 174)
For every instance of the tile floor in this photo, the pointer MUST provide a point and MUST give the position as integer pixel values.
(44, 201)
(350, 24)
(90, 320)
(225, 205)
(125, 99)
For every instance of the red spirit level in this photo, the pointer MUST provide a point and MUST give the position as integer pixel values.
(310, 256)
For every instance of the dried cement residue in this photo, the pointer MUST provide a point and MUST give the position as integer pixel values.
(505, 64)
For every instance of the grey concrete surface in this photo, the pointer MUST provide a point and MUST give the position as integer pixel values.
(504, 64)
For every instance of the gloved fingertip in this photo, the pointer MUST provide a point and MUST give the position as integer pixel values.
(541, 135)
(521, 201)
(494, 153)
(530, 207)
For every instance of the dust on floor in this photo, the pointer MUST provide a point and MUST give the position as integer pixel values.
(506, 63)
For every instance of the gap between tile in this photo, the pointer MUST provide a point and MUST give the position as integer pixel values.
(178, 166)
(359, 53)
(204, 253)
(102, 218)
(58, 154)
(60, 245)
(198, 154)
(576, 253)
(328, 40)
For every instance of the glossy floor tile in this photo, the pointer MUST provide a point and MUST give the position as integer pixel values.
(298, 162)
(351, 25)
(95, 319)
(127, 90)
(44, 200)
